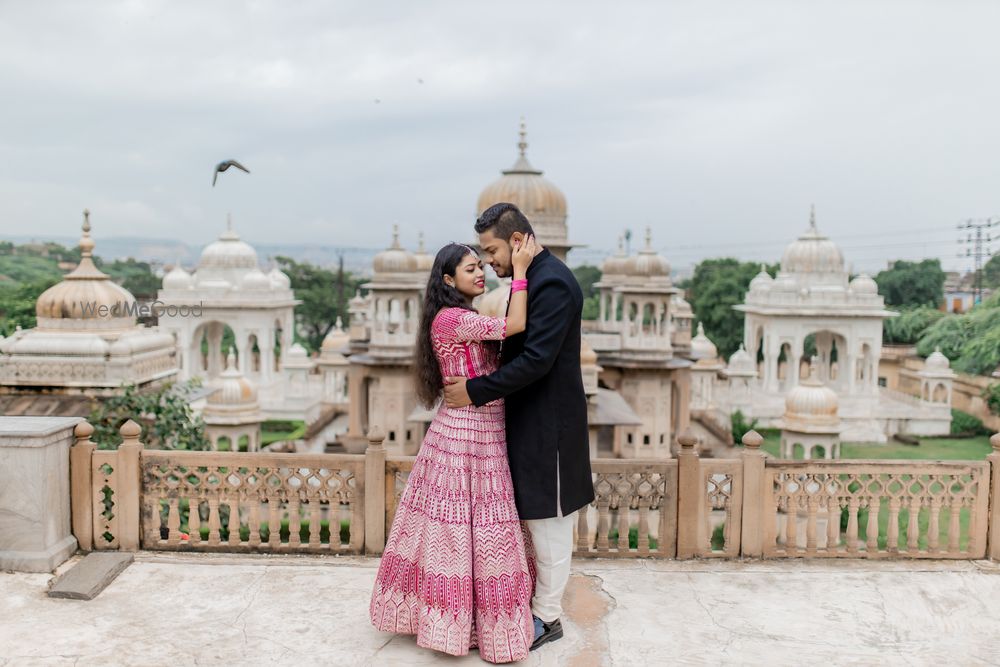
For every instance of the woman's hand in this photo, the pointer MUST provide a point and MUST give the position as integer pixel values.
(523, 253)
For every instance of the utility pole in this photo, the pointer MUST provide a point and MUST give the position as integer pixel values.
(975, 234)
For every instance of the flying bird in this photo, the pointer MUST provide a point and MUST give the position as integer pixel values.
(226, 164)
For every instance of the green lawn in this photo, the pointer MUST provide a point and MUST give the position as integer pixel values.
(966, 449)
(275, 430)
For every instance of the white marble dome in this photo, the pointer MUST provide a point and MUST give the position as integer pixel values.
(534, 195)
(647, 263)
(233, 389)
(178, 278)
(228, 252)
(863, 284)
(255, 279)
(701, 345)
(681, 308)
(336, 339)
(937, 361)
(741, 363)
(812, 253)
(395, 259)
(615, 264)
(762, 281)
(279, 280)
(811, 402)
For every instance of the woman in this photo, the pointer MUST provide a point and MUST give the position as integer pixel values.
(455, 570)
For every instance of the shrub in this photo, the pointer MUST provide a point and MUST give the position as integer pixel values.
(963, 423)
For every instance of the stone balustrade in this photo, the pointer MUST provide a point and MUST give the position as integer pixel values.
(687, 507)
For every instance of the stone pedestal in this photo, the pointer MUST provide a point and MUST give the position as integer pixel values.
(35, 533)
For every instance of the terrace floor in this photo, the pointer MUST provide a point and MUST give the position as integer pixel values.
(206, 609)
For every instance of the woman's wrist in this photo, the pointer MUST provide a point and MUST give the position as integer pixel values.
(520, 275)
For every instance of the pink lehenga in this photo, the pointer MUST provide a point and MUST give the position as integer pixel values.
(455, 571)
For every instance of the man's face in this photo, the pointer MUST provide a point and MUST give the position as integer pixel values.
(496, 253)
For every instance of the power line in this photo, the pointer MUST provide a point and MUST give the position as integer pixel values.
(975, 234)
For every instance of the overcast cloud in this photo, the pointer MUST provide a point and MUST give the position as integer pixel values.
(716, 123)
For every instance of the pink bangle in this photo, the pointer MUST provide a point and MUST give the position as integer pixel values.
(518, 285)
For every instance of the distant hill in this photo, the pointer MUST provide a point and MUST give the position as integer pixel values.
(169, 251)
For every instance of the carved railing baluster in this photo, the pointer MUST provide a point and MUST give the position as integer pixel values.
(173, 523)
(913, 526)
(871, 530)
(832, 524)
(233, 525)
(294, 522)
(315, 527)
(954, 524)
(254, 520)
(214, 524)
(273, 520)
(853, 540)
(194, 521)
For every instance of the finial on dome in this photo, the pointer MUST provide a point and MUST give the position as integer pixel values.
(701, 331)
(229, 222)
(814, 368)
(339, 324)
(420, 242)
(231, 360)
(812, 217)
(395, 238)
(649, 238)
(522, 145)
(86, 243)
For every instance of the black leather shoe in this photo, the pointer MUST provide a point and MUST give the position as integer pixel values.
(550, 632)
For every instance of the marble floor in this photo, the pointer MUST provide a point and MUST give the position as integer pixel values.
(206, 609)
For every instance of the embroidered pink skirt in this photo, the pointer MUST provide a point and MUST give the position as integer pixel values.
(455, 571)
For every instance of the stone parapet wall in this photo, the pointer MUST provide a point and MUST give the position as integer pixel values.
(687, 507)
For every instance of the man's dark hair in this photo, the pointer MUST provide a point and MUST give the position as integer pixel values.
(504, 220)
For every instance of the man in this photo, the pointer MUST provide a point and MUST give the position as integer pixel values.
(546, 409)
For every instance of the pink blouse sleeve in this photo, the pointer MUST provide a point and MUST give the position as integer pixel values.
(462, 325)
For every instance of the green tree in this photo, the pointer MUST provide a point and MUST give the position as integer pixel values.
(910, 325)
(165, 414)
(991, 272)
(912, 284)
(970, 340)
(17, 304)
(136, 277)
(716, 286)
(587, 276)
(324, 294)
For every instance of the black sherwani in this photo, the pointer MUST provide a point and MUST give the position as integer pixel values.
(545, 404)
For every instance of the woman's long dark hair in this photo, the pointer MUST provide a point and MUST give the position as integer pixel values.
(438, 295)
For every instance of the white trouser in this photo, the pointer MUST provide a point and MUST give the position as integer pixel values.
(553, 542)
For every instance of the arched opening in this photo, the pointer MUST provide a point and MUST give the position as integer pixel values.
(818, 452)
(798, 451)
(224, 444)
(940, 393)
(254, 350)
(648, 320)
(210, 345)
(244, 443)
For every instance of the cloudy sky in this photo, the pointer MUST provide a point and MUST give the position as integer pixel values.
(717, 123)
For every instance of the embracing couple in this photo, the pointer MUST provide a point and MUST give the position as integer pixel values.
(480, 546)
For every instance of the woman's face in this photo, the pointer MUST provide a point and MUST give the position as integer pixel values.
(470, 279)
